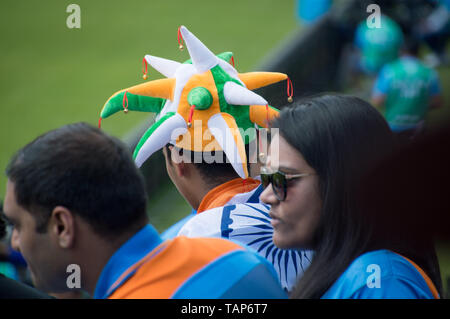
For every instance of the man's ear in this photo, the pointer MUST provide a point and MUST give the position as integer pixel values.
(177, 161)
(62, 226)
(181, 169)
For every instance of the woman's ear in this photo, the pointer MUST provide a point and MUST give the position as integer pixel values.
(62, 226)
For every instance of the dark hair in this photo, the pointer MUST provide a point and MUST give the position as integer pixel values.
(411, 188)
(85, 170)
(341, 137)
(215, 173)
(411, 45)
(2, 222)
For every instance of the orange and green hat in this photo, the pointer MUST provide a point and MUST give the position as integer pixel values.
(206, 94)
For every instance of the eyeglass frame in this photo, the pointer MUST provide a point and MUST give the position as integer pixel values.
(286, 179)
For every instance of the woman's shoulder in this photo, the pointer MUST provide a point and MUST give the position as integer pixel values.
(380, 274)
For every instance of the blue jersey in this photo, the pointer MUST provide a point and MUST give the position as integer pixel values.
(186, 268)
(249, 224)
(408, 86)
(241, 217)
(380, 274)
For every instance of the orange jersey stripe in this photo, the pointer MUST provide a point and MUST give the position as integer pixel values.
(162, 275)
(222, 194)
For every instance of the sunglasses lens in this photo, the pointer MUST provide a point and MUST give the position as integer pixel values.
(265, 180)
(278, 184)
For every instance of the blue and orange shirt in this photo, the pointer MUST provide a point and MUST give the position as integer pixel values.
(382, 274)
(234, 211)
(236, 191)
(146, 267)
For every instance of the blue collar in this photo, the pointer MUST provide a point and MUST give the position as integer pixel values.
(136, 248)
(255, 196)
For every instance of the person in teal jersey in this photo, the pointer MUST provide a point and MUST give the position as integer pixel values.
(309, 11)
(327, 144)
(378, 46)
(406, 90)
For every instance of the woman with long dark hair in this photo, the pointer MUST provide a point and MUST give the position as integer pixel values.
(326, 145)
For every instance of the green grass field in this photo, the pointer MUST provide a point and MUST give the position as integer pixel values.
(51, 75)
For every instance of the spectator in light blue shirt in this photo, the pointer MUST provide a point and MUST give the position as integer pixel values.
(309, 11)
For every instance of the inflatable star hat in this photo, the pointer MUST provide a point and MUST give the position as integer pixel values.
(205, 93)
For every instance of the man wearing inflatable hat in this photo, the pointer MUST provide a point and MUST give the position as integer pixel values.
(207, 115)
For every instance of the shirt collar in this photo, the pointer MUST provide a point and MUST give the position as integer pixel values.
(220, 195)
(136, 248)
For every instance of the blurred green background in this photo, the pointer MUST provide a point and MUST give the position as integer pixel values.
(51, 75)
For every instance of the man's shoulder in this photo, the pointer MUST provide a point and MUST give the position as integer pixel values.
(249, 225)
(200, 268)
(11, 289)
(248, 275)
(220, 221)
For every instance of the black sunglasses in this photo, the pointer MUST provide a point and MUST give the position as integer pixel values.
(279, 181)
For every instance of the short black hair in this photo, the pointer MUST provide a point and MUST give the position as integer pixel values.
(215, 173)
(2, 222)
(411, 45)
(85, 170)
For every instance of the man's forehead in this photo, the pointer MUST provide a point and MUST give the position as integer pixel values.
(10, 203)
